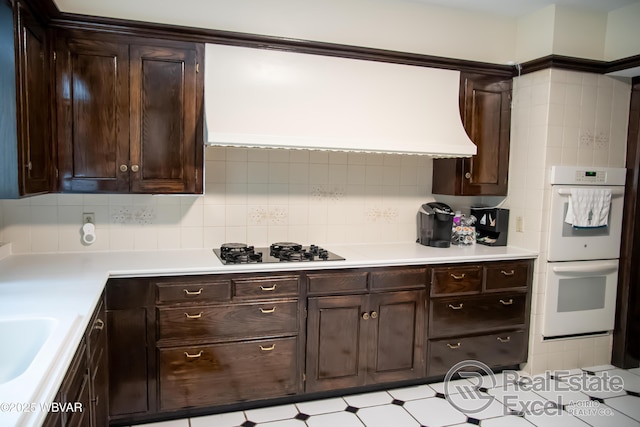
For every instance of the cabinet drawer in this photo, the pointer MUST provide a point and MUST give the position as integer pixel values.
(465, 315)
(456, 280)
(337, 283)
(193, 290)
(266, 287)
(405, 278)
(227, 373)
(228, 321)
(500, 349)
(505, 276)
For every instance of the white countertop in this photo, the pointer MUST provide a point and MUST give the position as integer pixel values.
(67, 286)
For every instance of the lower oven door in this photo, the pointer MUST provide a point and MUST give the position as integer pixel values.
(580, 298)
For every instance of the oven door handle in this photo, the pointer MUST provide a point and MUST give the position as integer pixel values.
(603, 267)
(615, 191)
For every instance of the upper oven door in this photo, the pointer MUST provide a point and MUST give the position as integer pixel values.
(567, 243)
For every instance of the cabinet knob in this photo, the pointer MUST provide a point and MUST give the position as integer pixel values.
(267, 310)
(365, 316)
(454, 346)
(268, 288)
(193, 356)
(457, 277)
(455, 307)
(507, 339)
(193, 316)
(467, 175)
(270, 348)
(134, 168)
(123, 168)
(507, 273)
(374, 314)
(188, 292)
(508, 302)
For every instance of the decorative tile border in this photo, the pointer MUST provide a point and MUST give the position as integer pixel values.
(322, 192)
(133, 215)
(388, 214)
(273, 216)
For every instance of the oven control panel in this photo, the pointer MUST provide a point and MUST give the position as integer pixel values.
(587, 175)
(590, 177)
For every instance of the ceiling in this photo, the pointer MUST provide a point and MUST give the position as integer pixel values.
(523, 7)
(502, 7)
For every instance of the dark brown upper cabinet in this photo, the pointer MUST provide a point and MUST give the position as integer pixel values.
(129, 115)
(25, 111)
(485, 108)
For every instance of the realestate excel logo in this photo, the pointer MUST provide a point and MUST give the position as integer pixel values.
(471, 396)
(468, 397)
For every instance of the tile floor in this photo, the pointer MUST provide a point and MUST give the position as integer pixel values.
(585, 397)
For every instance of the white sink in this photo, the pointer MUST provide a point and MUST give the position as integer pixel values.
(22, 340)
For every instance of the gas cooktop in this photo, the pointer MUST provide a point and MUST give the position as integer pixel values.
(241, 253)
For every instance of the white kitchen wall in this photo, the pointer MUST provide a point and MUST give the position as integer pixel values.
(252, 195)
(560, 118)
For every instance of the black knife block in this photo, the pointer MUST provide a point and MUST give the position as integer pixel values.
(495, 227)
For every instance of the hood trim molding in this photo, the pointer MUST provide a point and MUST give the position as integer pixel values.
(267, 98)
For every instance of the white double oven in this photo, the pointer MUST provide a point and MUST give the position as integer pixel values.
(582, 262)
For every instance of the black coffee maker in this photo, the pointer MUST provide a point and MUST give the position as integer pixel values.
(435, 221)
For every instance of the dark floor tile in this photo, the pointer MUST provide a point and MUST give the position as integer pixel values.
(351, 409)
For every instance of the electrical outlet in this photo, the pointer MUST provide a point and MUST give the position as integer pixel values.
(520, 224)
(88, 217)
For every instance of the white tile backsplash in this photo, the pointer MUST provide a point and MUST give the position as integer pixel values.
(252, 195)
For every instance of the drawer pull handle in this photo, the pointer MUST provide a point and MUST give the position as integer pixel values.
(99, 325)
(507, 339)
(453, 347)
(455, 307)
(503, 302)
(460, 277)
(374, 314)
(508, 273)
(193, 356)
(270, 348)
(193, 316)
(188, 292)
(269, 288)
(267, 310)
(365, 316)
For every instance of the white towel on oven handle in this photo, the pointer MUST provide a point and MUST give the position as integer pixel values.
(588, 207)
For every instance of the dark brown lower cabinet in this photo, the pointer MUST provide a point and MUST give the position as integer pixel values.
(181, 346)
(355, 340)
(128, 347)
(84, 390)
(208, 375)
(500, 349)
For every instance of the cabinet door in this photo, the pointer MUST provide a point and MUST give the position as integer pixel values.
(396, 342)
(128, 362)
(33, 105)
(93, 115)
(485, 107)
(163, 130)
(487, 119)
(336, 340)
